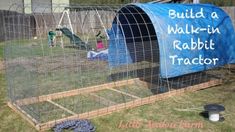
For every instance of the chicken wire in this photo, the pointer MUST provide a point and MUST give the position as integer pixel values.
(33, 69)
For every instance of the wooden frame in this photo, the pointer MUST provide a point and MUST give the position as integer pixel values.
(102, 111)
(74, 92)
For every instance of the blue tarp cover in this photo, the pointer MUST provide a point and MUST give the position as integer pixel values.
(179, 40)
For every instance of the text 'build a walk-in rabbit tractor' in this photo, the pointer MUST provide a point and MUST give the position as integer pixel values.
(88, 61)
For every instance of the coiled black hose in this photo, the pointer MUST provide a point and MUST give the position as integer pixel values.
(80, 125)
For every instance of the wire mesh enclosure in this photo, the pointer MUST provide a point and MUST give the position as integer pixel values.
(57, 64)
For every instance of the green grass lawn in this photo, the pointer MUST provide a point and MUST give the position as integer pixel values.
(176, 110)
(183, 112)
(10, 121)
(186, 108)
(36, 69)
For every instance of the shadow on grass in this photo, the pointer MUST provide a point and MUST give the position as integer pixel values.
(204, 114)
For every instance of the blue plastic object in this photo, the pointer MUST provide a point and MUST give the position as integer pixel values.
(136, 24)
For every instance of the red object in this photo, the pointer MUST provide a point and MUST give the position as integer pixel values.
(100, 45)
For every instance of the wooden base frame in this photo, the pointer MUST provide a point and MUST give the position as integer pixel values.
(102, 111)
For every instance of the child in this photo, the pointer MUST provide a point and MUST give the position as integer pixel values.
(51, 38)
(59, 38)
(99, 45)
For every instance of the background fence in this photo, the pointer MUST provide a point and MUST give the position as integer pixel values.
(29, 22)
(18, 25)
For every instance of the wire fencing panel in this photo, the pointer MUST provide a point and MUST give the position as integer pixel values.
(34, 69)
(49, 82)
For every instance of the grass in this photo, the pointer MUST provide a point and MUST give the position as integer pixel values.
(137, 91)
(10, 121)
(47, 111)
(80, 103)
(38, 48)
(183, 111)
(114, 96)
(32, 72)
(49, 70)
(174, 110)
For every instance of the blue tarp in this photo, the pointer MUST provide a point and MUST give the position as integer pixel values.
(154, 32)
